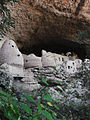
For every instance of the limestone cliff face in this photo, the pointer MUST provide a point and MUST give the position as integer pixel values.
(51, 22)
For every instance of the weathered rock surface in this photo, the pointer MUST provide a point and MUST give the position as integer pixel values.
(70, 92)
(6, 81)
(13, 70)
(25, 82)
(49, 23)
(66, 87)
(62, 86)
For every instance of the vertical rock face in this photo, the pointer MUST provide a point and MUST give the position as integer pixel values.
(50, 23)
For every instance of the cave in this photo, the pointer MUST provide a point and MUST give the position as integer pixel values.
(56, 45)
(54, 26)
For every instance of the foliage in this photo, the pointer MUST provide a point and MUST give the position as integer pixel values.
(15, 106)
(44, 81)
(30, 108)
(13, 109)
(9, 106)
(6, 21)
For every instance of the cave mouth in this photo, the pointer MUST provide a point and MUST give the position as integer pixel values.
(56, 46)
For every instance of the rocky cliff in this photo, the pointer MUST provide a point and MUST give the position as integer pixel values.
(57, 25)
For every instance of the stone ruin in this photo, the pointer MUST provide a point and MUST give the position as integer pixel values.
(52, 60)
(10, 54)
(28, 70)
(24, 66)
(31, 61)
(12, 62)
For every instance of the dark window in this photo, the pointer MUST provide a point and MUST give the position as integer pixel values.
(12, 45)
(68, 67)
(62, 59)
(26, 60)
(18, 55)
(59, 59)
(73, 63)
(78, 61)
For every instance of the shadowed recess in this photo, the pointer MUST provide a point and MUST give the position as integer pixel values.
(56, 46)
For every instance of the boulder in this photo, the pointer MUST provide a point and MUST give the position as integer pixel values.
(15, 71)
(26, 87)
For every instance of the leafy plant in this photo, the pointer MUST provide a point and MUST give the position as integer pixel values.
(44, 81)
(37, 107)
(29, 108)
(48, 97)
(9, 106)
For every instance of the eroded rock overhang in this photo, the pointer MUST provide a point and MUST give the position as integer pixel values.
(54, 25)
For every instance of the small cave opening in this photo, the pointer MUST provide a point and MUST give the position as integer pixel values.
(56, 45)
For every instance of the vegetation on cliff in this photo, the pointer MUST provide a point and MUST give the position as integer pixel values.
(39, 105)
(6, 21)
